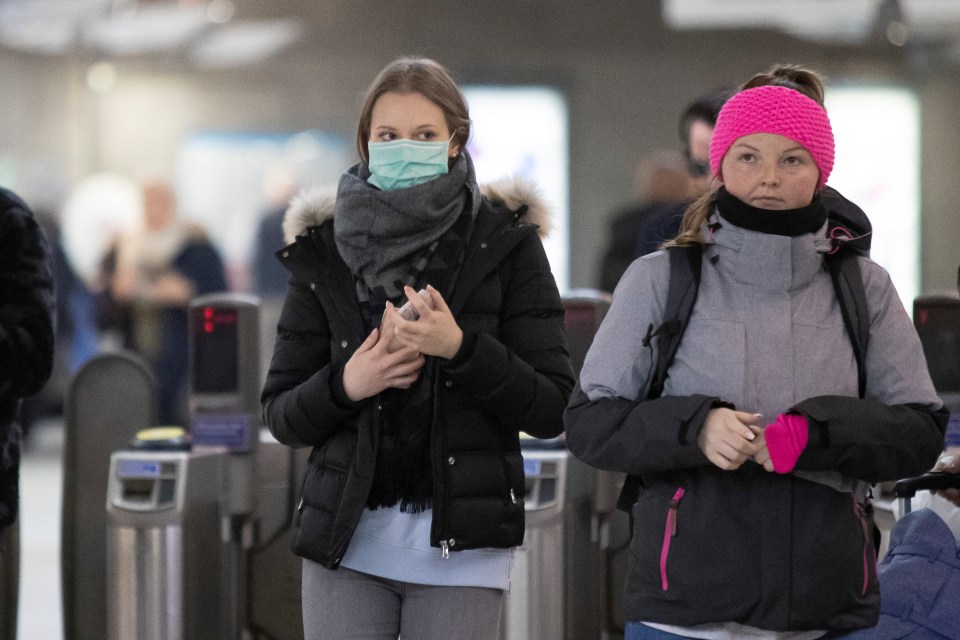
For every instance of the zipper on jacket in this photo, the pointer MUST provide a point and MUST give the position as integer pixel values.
(670, 530)
(303, 481)
(437, 449)
(868, 555)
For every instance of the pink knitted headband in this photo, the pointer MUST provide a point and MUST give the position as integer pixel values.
(774, 109)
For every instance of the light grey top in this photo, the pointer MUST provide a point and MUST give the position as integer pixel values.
(395, 545)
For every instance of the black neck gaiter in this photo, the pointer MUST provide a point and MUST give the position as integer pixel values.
(785, 222)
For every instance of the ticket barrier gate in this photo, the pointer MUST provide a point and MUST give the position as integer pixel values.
(109, 399)
(274, 572)
(171, 562)
(556, 580)
(206, 529)
(166, 558)
(584, 311)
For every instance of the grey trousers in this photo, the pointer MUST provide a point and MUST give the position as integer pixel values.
(348, 605)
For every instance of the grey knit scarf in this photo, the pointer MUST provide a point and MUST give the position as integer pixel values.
(380, 234)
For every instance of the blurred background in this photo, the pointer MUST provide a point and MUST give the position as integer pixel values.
(213, 92)
(240, 103)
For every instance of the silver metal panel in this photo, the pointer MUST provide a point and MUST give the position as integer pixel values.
(109, 399)
(145, 584)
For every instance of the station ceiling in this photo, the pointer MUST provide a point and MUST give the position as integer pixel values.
(224, 33)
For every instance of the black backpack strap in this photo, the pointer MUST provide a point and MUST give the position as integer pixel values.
(848, 285)
(684, 284)
(685, 263)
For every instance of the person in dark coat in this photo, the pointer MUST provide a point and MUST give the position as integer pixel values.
(641, 229)
(268, 277)
(149, 280)
(27, 309)
(413, 497)
(696, 129)
(663, 184)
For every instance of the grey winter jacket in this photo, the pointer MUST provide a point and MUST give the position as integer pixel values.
(512, 374)
(790, 552)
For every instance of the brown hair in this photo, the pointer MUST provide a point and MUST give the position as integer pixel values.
(793, 76)
(429, 79)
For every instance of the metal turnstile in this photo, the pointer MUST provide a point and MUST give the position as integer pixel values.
(556, 588)
(273, 606)
(584, 311)
(165, 551)
(111, 398)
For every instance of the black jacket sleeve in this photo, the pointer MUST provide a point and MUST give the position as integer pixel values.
(897, 430)
(26, 301)
(638, 436)
(524, 376)
(302, 399)
(871, 441)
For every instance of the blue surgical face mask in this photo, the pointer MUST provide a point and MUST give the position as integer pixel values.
(399, 164)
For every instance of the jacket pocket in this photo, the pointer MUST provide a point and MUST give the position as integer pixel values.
(694, 538)
(834, 581)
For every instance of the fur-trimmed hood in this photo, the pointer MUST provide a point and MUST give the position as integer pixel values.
(312, 206)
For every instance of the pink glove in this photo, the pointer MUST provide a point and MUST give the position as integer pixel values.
(786, 439)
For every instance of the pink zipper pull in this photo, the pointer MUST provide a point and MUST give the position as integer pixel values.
(669, 531)
(674, 506)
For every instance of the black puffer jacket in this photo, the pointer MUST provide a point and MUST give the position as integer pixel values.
(512, 374)
(26, 332)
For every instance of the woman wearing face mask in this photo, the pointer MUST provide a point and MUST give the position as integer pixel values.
(412, 500)
(756, 459)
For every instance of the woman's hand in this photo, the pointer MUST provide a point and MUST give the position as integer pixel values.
(435, 333)
(728, 439)
(373, 368)
(949, 464)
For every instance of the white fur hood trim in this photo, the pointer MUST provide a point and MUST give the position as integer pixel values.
(307, 209)
(313, 206)
(517, 192)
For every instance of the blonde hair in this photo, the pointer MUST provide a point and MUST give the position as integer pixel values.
(793, 76)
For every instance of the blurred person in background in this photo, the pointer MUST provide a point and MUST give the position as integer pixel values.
(696, 129)
(661, 183)
(76, 339)
(27, 312)
(148, 280)
(267, 273)
(667, 186)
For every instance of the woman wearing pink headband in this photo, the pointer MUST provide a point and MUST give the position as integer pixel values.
(755, 461)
